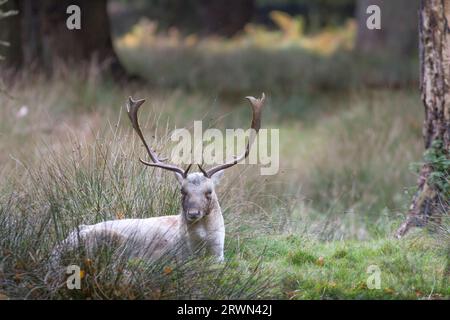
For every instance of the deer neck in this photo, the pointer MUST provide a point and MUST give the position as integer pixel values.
(215, 213)
(208, 229)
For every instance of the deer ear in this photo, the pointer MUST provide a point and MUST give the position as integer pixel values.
(216, 177)
(179, 178)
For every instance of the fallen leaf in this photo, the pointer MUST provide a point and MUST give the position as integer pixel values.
(167, 270)
(23, 111)
(389, 290)
(88, 262)
(17, 277)
(320, 261)
(120, 215)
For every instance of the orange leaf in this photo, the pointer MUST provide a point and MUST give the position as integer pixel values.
(120, 215)
(17, 277)
(320, 261)
(167, 270)
(88, 262)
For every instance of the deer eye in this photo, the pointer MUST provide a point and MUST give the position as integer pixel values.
(208, 193)
(183, 192)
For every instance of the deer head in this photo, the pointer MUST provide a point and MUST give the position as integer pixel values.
(198, 188)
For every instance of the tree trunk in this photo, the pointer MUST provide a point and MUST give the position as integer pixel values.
(398, 33)
(431, 201)
(9, 30)
(225, 17)
(45, 38)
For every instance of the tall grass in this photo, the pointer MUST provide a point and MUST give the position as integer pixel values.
(85, 184)
(340, 154)
(72, 159)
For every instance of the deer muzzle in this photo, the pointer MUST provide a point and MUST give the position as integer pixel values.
(193, 214)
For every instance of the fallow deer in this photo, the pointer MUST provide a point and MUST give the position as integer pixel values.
(200, 223)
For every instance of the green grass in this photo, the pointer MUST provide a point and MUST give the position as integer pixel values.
(311, 269)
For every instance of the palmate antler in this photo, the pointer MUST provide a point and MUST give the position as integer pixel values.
(256, 105)
(132, 111)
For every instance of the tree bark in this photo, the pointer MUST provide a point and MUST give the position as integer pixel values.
(45, 39)
(430, 202)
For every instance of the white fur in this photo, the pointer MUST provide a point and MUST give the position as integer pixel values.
(153, 237)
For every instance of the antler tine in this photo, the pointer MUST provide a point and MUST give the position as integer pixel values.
(187, 170)
(202, 170)
(132, 111)
(256, 105)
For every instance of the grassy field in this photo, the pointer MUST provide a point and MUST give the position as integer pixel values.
(311, 231)
(69, 157)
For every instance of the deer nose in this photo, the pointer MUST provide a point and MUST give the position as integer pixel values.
(193, 213)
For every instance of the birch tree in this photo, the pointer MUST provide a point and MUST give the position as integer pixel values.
(432, 200)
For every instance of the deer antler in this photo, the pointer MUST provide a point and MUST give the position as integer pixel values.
(132, 111)
(256, 105)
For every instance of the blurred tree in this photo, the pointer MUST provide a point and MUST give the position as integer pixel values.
(228, 17)
(398, 34)
(432, 198)
(317, 14)
(39, 34)
(9, 28)
(223, 17)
